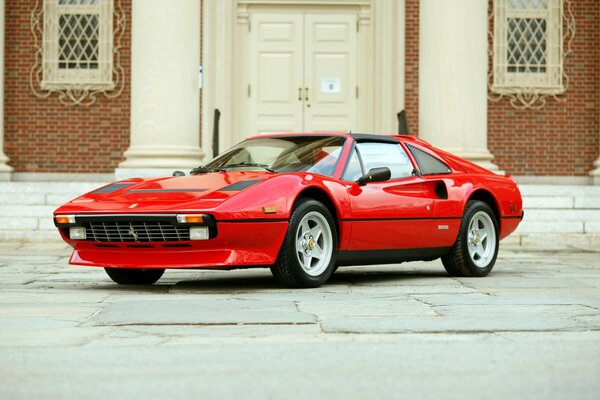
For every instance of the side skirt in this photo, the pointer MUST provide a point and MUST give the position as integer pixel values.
(369, 257)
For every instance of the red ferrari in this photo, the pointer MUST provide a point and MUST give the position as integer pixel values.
(301, 204)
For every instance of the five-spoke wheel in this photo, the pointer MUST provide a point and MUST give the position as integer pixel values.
(307, 256)
(476, 248)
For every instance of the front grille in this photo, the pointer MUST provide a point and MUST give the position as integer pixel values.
(136, 231)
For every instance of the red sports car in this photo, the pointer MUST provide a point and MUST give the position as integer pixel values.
(301, 204)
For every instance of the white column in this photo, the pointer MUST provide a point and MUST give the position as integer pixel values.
(453, 63)
(165, 57)
(4, 169)
(595, 173)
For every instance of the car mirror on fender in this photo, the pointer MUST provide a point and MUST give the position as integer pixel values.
(375, 175)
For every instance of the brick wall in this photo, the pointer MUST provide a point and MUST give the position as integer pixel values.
(562, 138)
(412, 65)
(43, 135)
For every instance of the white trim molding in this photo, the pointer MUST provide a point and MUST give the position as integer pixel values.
(5, 170)
(531, 40)
(595, 173)
(77, 47)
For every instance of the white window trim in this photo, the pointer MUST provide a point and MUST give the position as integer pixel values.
(531, 89)
(77, 86)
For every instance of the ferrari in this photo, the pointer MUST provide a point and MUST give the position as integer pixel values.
(302, 205)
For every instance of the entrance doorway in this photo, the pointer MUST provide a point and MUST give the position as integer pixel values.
(302, 70)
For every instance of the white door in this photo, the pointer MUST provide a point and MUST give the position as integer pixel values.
(330, 72)
(303, 72)
(276, 73)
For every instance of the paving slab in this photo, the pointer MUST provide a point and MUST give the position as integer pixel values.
(531, 329)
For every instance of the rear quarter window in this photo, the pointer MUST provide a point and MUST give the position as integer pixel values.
(428, 164)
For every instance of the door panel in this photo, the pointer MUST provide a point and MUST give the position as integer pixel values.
(390, 215)
(276, 72)
(303, 72)
(330, 72)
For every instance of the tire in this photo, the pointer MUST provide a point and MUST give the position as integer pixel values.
(476, 248)
(129, 276)
(307, 256)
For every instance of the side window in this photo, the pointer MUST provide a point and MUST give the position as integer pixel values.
(393, 156)
(353, 170)
(428, 164)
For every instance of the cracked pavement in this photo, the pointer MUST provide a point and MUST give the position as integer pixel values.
(529, 330)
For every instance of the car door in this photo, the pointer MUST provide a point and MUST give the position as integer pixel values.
(394, 214)
(448, 201)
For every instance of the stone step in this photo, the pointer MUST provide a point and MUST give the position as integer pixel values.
(561, 202)
(556, 211)
(560, 190)
(48, 187)
(54, 199)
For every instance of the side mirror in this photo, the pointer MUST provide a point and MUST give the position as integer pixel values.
(375, 175)
(178, 173)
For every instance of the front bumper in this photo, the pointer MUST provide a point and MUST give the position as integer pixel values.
(238, 244)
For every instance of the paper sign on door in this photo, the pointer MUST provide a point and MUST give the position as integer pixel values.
(331, 85)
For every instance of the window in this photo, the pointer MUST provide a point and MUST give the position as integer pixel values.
(428, 164)
(316, 154)
(376, 154)
(77, 44)
(528, 47)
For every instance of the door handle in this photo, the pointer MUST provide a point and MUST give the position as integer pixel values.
(299, 94)
(306, 94)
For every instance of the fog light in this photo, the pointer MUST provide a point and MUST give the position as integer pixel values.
(199, 233)
(77, 233)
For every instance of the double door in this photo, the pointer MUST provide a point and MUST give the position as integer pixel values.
(302, 72)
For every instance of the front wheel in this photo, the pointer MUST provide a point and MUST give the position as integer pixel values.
(476, 247)
(132, 276)
(307, 256)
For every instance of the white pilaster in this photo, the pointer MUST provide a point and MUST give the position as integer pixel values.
(5, 170)
(165, 55)
(453, 65)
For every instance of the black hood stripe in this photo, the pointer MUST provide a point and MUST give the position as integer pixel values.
(236, 187)
(165, 190)
(111, 188)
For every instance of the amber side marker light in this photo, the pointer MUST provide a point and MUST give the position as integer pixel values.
(65, 219)
(190, 218)
(269, 210)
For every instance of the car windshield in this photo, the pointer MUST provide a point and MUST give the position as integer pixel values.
(317, 154)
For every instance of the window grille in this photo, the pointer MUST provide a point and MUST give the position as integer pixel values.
(77, 56)
(78, 43)
(528, 49)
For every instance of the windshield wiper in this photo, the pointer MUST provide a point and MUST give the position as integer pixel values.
(204, 170)
(247, 164)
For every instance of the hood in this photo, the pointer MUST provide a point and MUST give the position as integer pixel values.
(204, 191)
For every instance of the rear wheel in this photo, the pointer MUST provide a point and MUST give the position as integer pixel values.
(476, 248)
(307, 256)
(131, 276)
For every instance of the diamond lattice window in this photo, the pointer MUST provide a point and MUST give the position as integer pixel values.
(528, 46)
(78, 44)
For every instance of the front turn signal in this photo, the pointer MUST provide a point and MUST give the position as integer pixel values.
(64, 219)
(190, 218)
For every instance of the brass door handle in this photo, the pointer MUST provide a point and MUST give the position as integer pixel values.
(306, 94)
(299, 94)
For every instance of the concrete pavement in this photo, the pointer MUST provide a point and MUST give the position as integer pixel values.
(529, 330)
